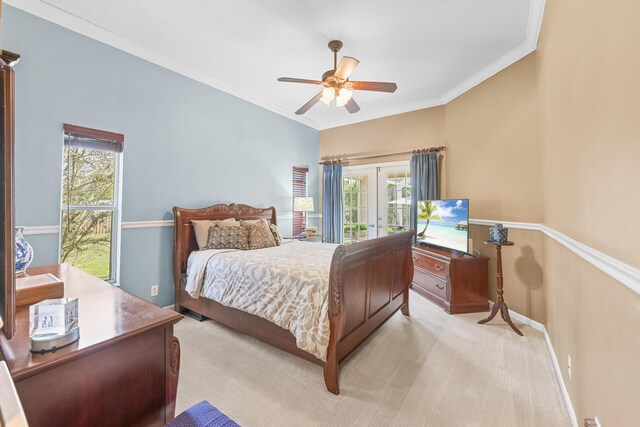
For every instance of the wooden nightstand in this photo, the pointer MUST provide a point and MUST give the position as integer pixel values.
(312, 239)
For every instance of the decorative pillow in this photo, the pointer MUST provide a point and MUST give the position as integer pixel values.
(228, 238)
(201, 229)
(260, 235)
(276, 234)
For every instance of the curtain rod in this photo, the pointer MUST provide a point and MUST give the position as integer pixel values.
(379, 156)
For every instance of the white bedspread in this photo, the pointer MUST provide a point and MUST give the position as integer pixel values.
(287, 285)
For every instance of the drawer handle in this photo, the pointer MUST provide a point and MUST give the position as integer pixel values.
(415, 259)
(439, 286)
(439, 267)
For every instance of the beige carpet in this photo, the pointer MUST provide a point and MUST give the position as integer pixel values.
(431, 369)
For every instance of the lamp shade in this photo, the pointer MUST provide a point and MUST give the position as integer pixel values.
(303, 204)
(327, 95)
(343, 97)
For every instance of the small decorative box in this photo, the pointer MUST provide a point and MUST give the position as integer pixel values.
(32, 289)
(53, 324)
(499, 234)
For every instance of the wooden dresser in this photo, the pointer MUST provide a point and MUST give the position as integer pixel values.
(457, 282)
(122, 372)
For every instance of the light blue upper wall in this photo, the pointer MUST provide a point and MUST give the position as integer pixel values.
(186, 143)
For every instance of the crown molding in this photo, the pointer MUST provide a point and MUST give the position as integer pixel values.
(429, 103)
(536, 13)
(88, 29)
(95, 32)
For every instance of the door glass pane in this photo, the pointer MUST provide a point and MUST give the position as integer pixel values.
(355, 208)
(398, 203)
(86, 241)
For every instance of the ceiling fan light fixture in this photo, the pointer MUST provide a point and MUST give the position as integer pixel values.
(343, 97)
(337, 85)
(327, 95)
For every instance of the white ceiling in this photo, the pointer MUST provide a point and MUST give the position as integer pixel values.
(433, 49)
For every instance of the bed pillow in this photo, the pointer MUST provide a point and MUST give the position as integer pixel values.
(228, 238)
(276, 234)
(201, 229)
(260, 235)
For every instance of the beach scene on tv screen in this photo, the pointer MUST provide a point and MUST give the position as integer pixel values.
(444, 223)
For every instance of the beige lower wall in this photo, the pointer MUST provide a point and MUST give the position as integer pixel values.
(595, 319)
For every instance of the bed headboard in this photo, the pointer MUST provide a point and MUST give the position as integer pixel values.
(185, 240)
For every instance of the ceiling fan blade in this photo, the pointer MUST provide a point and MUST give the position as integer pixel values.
(352, 106)
(345, 67)
(375, 86)
(294, 80)
(313, 101)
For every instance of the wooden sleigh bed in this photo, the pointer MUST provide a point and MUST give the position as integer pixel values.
(369, 282)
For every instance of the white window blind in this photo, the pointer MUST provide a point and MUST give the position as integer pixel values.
(300, 189)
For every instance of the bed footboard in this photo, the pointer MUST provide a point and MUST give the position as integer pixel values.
(369, 282)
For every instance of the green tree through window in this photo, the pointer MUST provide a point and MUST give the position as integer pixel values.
(89, 205)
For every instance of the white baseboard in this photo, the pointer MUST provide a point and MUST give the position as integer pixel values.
(554, 360)
(563, 387)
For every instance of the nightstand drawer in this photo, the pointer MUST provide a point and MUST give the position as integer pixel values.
(433, 265)
(430, 284)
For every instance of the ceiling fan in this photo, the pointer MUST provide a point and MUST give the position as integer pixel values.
(337, 84)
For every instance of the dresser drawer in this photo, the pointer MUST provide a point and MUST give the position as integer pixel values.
(430, 283)
(433, 265)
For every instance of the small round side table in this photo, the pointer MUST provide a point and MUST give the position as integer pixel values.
(500, 304)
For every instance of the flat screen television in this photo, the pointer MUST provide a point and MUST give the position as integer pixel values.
(444, 223)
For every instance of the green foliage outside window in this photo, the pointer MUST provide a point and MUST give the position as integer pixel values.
(88, 185)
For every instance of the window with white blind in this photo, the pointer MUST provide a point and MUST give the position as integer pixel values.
(300, 189)
(90, 204)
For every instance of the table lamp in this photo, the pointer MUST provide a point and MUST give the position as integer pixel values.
(303, 204)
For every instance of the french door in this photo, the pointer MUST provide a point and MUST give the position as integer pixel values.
(377, 201)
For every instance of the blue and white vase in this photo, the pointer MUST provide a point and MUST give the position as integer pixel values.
(24, 252)
(499, 234)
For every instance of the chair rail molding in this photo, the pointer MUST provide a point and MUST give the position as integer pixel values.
(623, 273)
(41, 229)
(147, 224)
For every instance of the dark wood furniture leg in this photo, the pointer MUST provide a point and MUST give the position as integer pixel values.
(500, 304)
